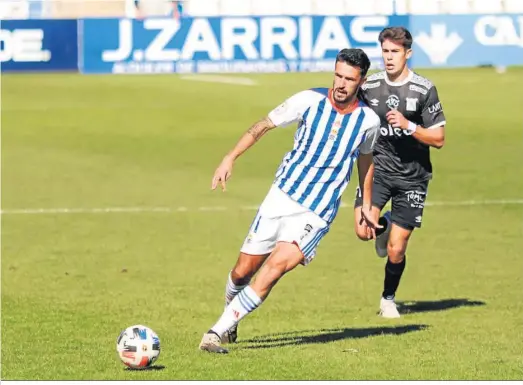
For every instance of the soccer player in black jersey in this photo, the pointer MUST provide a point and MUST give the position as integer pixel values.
(412, 121)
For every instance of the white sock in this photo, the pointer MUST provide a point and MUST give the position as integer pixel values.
(244, 303)
(231, 290)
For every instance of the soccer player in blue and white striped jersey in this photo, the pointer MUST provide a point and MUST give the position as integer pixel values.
(335, 130)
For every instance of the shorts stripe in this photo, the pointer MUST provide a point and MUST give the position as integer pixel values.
(257, 224)
(254, 219)
(309, 247)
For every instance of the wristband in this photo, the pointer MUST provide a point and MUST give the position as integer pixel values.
(412, 127)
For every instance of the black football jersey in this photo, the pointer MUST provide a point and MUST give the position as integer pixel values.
(396, 153)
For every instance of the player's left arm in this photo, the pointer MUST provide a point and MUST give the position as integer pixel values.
(366, 163)
(432, 132)
(366, 176)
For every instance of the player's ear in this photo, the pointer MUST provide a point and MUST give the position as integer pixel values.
(409, 53)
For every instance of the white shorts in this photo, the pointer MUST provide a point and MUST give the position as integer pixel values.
(281, 219)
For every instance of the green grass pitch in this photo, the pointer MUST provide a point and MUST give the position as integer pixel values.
(71, 282)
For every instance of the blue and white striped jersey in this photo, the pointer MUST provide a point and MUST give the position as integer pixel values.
(326, 144)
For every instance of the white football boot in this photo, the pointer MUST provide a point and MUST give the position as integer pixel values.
(388, 308)
(212, 344)
(383, 239)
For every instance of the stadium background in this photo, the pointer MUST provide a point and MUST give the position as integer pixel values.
(108, 221)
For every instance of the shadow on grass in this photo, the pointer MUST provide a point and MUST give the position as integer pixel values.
(325, 335)
(148, 369)
(406, 307)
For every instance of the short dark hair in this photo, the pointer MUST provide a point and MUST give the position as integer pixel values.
(355, 57)
(399, 35)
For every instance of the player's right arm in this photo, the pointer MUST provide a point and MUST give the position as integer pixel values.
(286, 113)
(432, 131)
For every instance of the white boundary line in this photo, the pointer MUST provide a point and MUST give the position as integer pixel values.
(181, 209)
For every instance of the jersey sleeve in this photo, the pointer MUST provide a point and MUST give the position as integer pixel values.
(432, 112)
(371, 136)
(291, 110)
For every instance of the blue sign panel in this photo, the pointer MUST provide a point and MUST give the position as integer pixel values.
(230, 44)
(467, 41)
(38, 45)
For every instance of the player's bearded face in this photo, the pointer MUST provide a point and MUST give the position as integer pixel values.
(394, 56)
(347, 80)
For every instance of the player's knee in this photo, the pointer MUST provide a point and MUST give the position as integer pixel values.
(240, 276)
(396, 252)
(243, 271)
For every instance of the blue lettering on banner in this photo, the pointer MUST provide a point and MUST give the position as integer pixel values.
(38, 45)
(234, 44)
(251, 44)
(467, 40)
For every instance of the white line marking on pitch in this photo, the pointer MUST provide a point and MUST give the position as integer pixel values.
(488, 202)
(242, 81)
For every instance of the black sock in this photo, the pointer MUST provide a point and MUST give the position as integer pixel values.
(393, 272)
(382, 221)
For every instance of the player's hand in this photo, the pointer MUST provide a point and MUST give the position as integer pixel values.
(397, 120)
(370, 221)
(222, 173)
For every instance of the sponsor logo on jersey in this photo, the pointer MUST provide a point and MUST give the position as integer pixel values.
(394, 131)
(435, 108)
(374, 102)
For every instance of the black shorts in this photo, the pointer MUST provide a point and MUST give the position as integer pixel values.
(408, 199)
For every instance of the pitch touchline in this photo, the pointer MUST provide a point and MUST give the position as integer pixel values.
(182, 209)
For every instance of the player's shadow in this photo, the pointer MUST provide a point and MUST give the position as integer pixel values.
(406, 307)
(149, 368)
(325, 335)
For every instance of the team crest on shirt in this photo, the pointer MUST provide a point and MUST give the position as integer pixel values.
(334, 130)
(412, 104)
(333, 134)
(393, 102)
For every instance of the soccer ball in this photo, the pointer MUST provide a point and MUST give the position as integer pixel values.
(138, 346)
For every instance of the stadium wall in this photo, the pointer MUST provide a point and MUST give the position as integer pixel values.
(250, 44)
